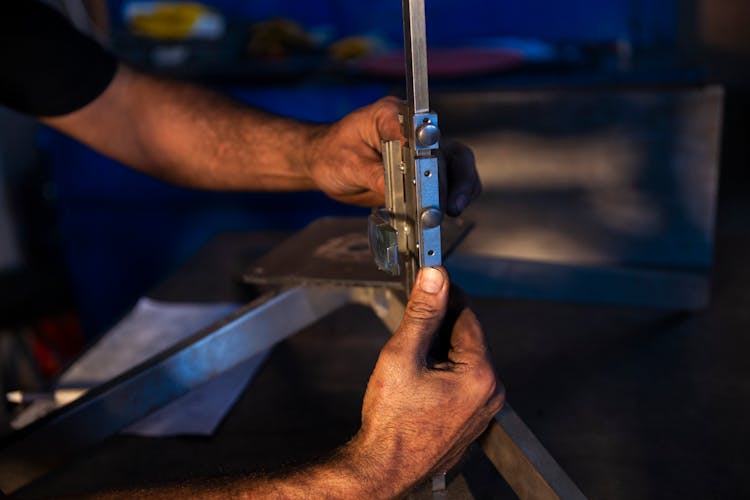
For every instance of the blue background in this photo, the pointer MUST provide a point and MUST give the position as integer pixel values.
(123, 232)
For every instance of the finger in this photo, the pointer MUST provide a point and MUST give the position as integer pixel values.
(424, 312)
(364, 198)
(450, 461)
(473, 428)
(470, 432)
(441, 346)
(463, 183)
(374, 177)
(363, 185)
(387, 125)
(497, 401)
(467, 340)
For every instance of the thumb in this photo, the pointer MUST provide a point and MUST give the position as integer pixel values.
(424, 312)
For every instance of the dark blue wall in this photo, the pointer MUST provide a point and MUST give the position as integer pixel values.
(645, 21)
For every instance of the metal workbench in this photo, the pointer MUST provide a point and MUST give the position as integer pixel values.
(633, 403)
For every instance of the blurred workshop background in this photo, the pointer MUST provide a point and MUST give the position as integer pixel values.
(597, 128)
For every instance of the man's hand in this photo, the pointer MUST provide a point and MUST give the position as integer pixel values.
(419, 419)
(194, 137)
(344, 159)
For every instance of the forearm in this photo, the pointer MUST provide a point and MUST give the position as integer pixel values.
(349, 473)
(192, 136)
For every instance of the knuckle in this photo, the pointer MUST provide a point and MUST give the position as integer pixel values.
(390, 102)
(386, 105)
(497, 401)
(420, 309)
(376, 172)
(390, 350)
(485, 381)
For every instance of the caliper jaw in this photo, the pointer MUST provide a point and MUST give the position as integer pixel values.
(405, 235)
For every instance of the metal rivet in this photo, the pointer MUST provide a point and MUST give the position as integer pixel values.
(427, 173)
(428, 134)
(431, 217)
(431, 252)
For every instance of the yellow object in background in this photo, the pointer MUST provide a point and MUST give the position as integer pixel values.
(174, 20)
(353, 47)
(278, 38)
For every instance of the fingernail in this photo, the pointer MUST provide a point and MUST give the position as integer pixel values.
(462, 201)
(431, 280)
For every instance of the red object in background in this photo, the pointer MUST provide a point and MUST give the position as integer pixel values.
(445, 63)
(57, 340)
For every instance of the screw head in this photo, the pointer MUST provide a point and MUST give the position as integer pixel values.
(428, 134)
(431, 217)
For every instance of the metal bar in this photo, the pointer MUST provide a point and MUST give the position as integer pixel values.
(388, 305)
(415, 49)
(525, 464)
(105, 410)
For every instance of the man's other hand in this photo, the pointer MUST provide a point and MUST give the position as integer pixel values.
(344, 159)
(418, 419)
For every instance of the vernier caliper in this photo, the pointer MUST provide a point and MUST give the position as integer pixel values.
(405, 235)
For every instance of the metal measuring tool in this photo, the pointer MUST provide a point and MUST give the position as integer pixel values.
(405, 235)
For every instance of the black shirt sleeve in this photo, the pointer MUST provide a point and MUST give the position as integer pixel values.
(47, 67)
